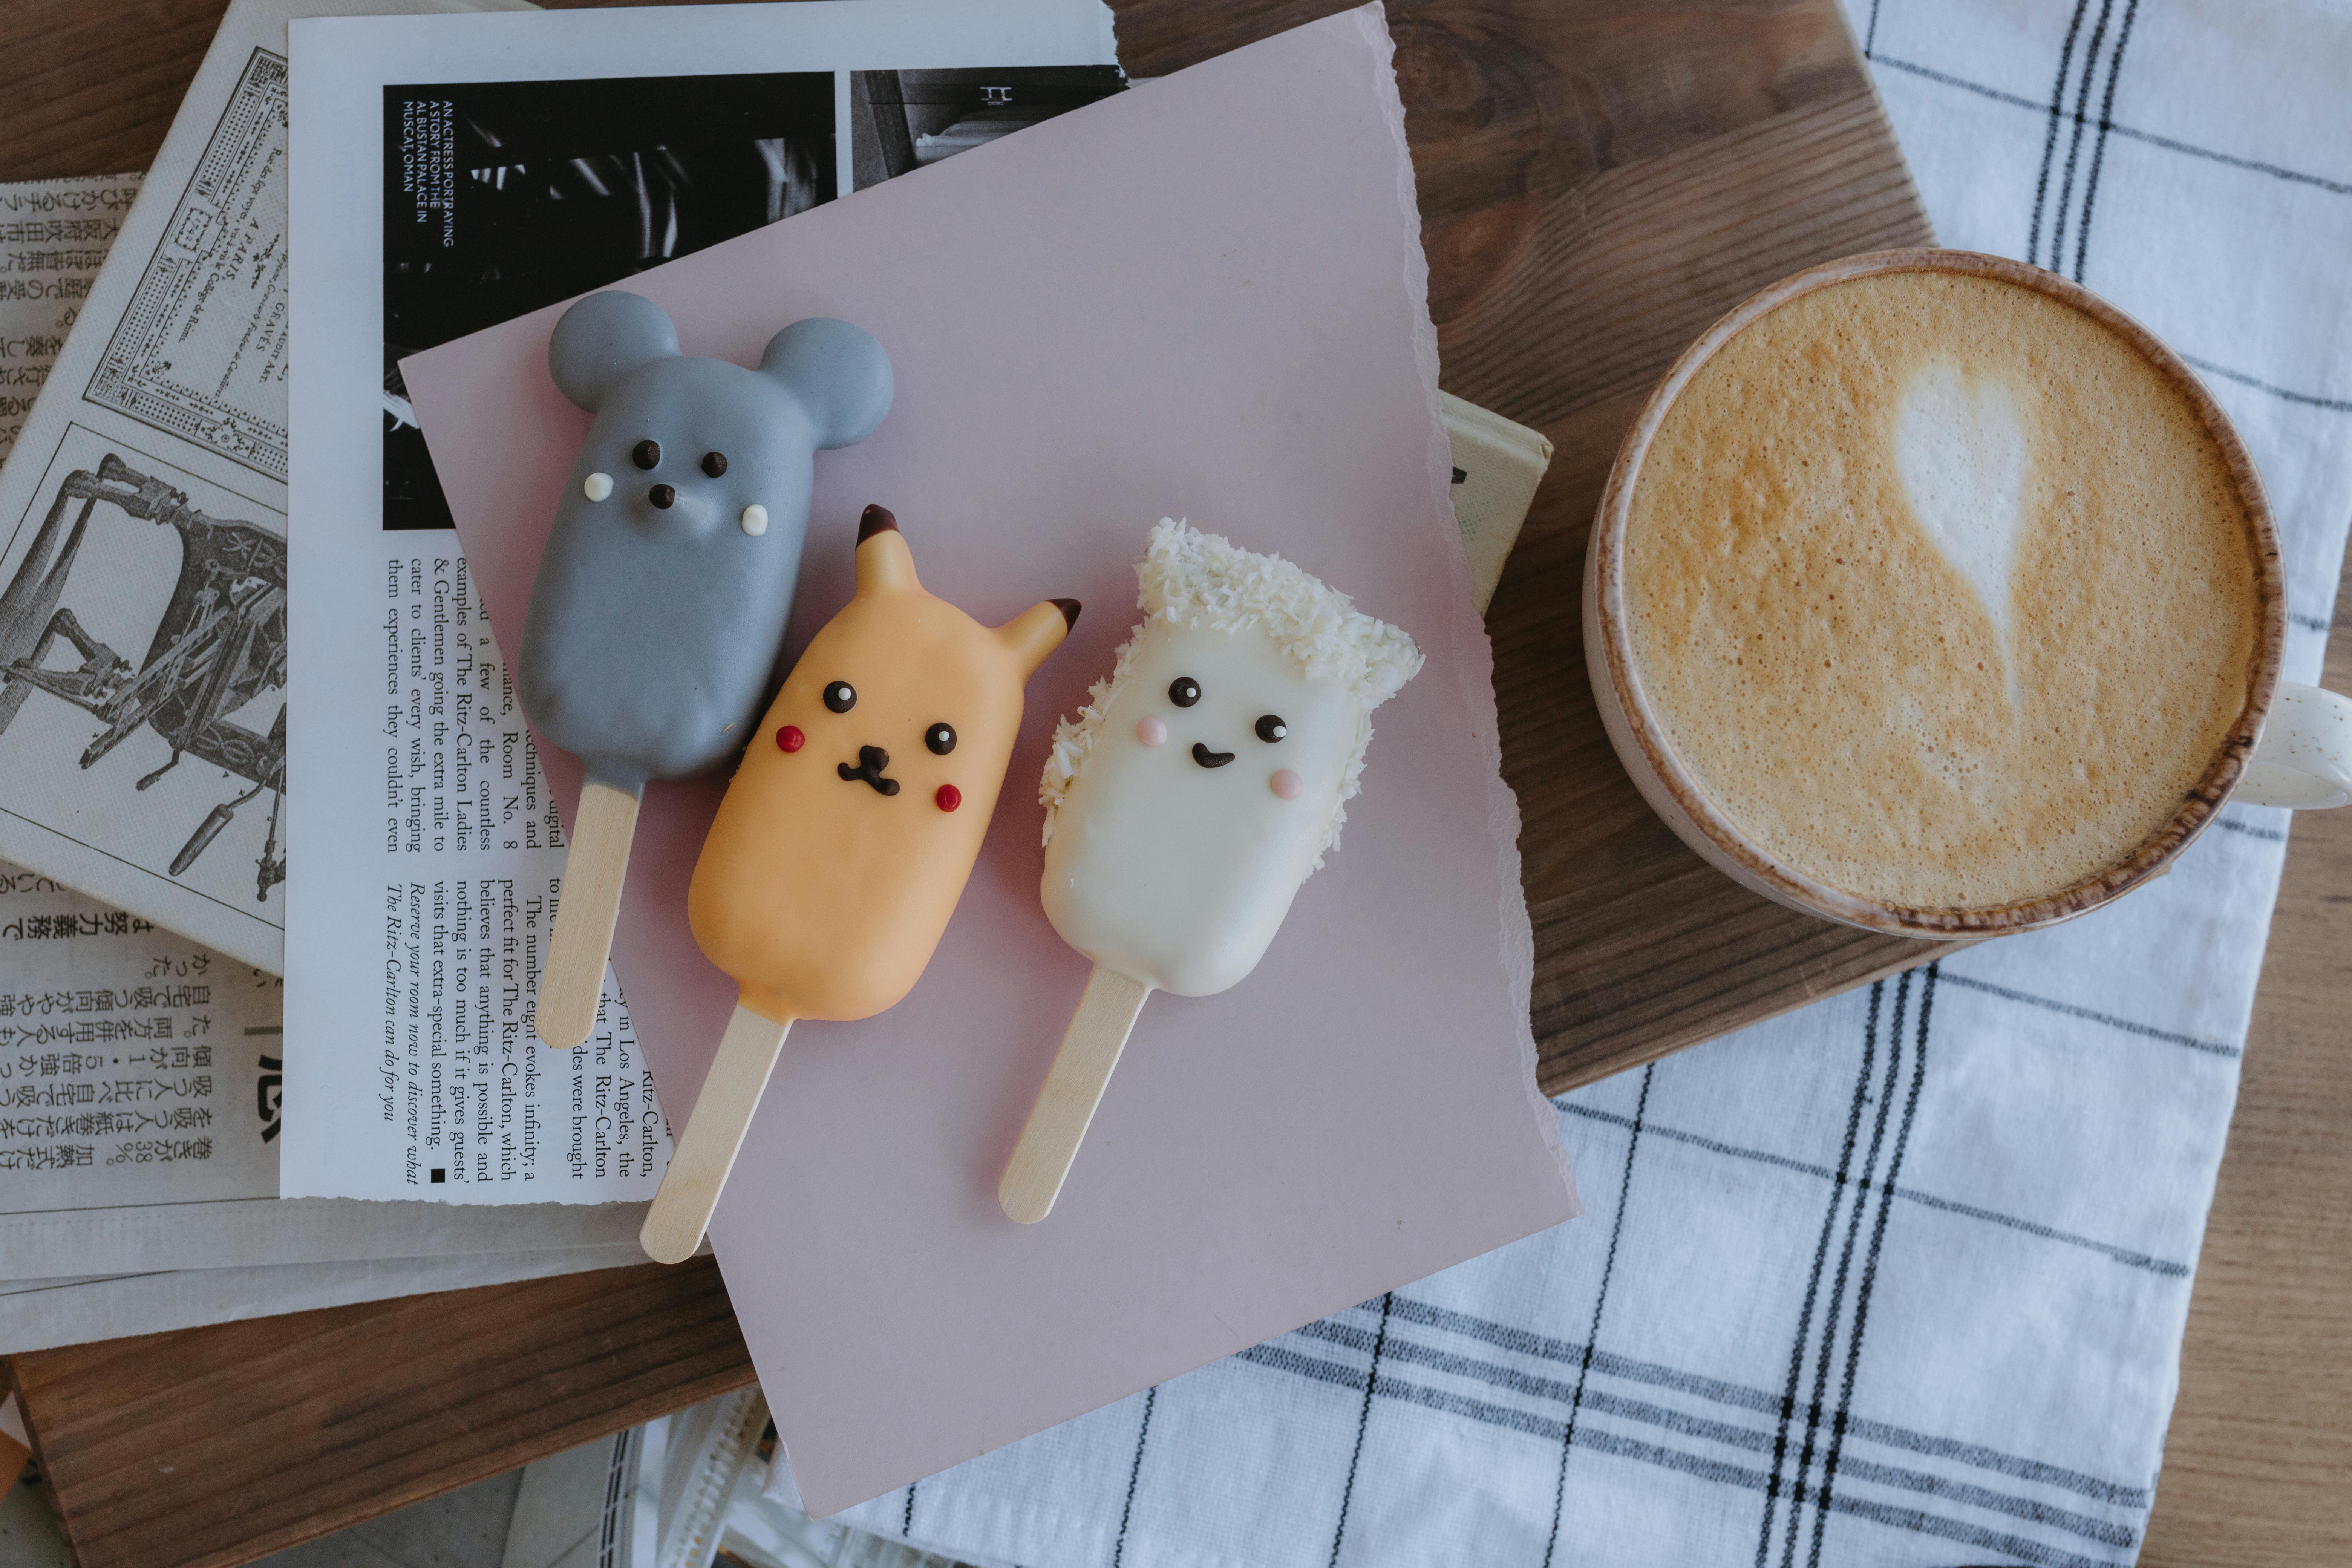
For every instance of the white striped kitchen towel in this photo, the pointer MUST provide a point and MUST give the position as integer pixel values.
(1899, 1278)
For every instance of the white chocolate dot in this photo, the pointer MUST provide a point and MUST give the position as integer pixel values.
(1150, 731)
(596, 487)
(755, 519)
(1287, 785)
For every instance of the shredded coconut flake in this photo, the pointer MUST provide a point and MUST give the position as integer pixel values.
(1202, 580)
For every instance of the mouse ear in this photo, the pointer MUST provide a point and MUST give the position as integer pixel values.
(838, 372)
(603, 338)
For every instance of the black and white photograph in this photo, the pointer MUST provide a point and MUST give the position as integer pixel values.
(501, 197)
(142, 670)
(901, 121)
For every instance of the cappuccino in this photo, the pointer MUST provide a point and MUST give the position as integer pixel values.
(1942, 592)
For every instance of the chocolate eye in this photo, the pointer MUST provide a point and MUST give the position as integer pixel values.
(1183, 691)
(1271, 728)
(714, 464)
(940, 739)
(645, 454)
(841, 697)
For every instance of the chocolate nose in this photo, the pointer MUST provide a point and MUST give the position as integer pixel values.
(871, 761)
(662, 496)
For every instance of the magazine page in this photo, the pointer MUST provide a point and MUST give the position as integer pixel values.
(449, 173)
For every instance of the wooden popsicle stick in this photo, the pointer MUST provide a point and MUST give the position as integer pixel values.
(572, 981)
(714, 1132)
(1065, 1105)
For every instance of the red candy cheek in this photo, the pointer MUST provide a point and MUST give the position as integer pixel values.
(948, 797)
(790, 738)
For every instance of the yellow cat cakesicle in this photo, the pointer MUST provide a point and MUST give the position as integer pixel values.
(847, 834)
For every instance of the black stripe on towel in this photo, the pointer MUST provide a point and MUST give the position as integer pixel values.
(1788, 1402)
(1845, 1262)
(1844, 1415)
(1134, 1474)
(2057, 111)
(1599, 1300)
(1363, 1421)
(2099, 147)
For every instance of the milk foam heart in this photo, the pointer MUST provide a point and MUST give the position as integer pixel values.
(1960, 447)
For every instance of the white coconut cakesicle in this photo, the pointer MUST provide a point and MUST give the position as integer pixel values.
(1206, 778)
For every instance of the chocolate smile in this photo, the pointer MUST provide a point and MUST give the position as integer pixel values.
(1208, 759)
(871, 761)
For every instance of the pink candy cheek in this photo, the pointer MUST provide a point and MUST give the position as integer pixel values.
(1150, 731)
(1287, 785)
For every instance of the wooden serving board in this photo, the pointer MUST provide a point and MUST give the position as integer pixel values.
(214, 1446)
(1599, 180)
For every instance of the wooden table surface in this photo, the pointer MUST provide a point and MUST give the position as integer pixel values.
(215, 1446)
(1671, 158)
(2257, 1465)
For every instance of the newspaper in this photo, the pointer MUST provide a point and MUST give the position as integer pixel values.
(141, 1105)
(54, 237)
(501, 168)
(41, 1314)
(140, 1076)
(142, 1108)
(142, 516)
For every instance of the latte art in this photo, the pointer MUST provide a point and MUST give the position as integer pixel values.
(1960, 454)
(1940, 590)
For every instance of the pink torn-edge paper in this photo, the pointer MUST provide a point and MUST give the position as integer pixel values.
(1202, 298)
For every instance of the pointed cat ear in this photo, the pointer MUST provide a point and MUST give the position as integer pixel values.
(884, 562)
(603, 338)
(1037, 631)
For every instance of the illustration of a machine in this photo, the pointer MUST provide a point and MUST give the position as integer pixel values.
(221, 644)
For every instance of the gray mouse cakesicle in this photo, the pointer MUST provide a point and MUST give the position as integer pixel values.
(658, 612)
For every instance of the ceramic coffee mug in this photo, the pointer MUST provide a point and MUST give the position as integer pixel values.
(2290, 745)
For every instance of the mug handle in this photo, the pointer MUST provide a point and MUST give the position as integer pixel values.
(2304, 759)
